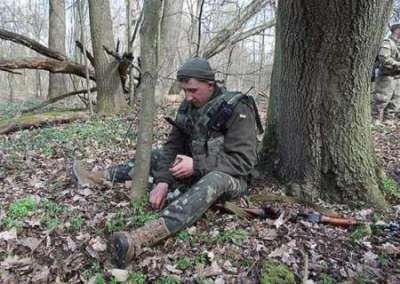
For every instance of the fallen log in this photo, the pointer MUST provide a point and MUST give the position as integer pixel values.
(28, 121)
(58, 98)
(51, 65)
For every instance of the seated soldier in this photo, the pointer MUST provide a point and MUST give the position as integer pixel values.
(213, 143)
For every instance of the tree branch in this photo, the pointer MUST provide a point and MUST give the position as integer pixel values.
(233, 26)
(51, 65)
(10, 71)
(58, 98)
(112, 53)
(32, 44)
(239, 37)
(88, 54)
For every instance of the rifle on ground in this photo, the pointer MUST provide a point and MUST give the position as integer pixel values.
(390, 228)
(263, 213)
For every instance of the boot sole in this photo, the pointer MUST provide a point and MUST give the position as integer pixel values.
(120, 245)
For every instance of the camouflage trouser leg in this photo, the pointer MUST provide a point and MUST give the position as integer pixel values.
(121, 172)
(386, 98)
(184, 211)
(393, 108)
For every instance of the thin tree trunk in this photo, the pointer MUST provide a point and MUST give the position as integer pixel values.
(169, 39)
(148, 36)
(57, 82)
(318, 128)
(10, 80)
(83, 39)
(129, 11)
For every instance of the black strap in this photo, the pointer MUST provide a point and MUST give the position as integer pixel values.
(258, 120)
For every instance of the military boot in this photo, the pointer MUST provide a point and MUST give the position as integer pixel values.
(125, 246)
(84, 177)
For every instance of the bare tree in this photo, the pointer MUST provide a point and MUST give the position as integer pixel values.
(169, 38)
(149, 53)
(57, 82)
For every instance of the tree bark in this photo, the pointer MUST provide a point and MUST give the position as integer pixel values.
(48, 64)
(149, 53)
(169, 38)
(57, 82)
(110, 96)
(58, 98)
(28, 121)
(318, 127)
(32, 44)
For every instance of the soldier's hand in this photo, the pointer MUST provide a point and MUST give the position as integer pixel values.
(183, 168)
(158, 195)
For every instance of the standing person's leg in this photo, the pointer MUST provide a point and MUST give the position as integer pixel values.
(382, 94)
(179, 214)
(392, 110)
(119, 173)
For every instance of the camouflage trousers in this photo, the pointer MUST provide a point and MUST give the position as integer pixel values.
(191, 205)
(386, 98)
(121, 172)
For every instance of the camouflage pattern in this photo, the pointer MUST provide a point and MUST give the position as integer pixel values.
(386, 98)
(386, 94)
(121, 172)
(232, 150)
(190, 206)
(222, 160)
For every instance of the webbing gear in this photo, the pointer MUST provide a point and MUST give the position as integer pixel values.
(224, 112)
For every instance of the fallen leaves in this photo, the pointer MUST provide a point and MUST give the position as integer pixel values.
(35, 253)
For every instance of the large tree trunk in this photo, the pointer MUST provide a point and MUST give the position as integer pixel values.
(318, 128)
(110, 97)
(57, 82)
(169, 38)
(149, 53)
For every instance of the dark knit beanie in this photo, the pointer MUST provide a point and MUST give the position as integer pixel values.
(197, 68)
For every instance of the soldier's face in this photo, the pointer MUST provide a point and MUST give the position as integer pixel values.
(197, 92)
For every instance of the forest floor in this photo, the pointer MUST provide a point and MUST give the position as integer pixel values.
(54, 231)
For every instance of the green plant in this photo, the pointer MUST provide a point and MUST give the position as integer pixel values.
(382, 260)
(10, 222)
(142, 219)
(51, 223)
(326, 279)
(361, 278)
(390, 186)
(77, 222)
(184, 236)
(359, 232)
(21, 207)
(274, 272)
(137, 207)
(99, 279)
(168, 280)
(52, 207)
(136, 278)
(234, 236)
(95, 266)
(116, 224)
(187, 262)
(246, 262)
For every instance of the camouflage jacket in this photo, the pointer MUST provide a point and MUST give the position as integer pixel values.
(389, 56)
(232, 151)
